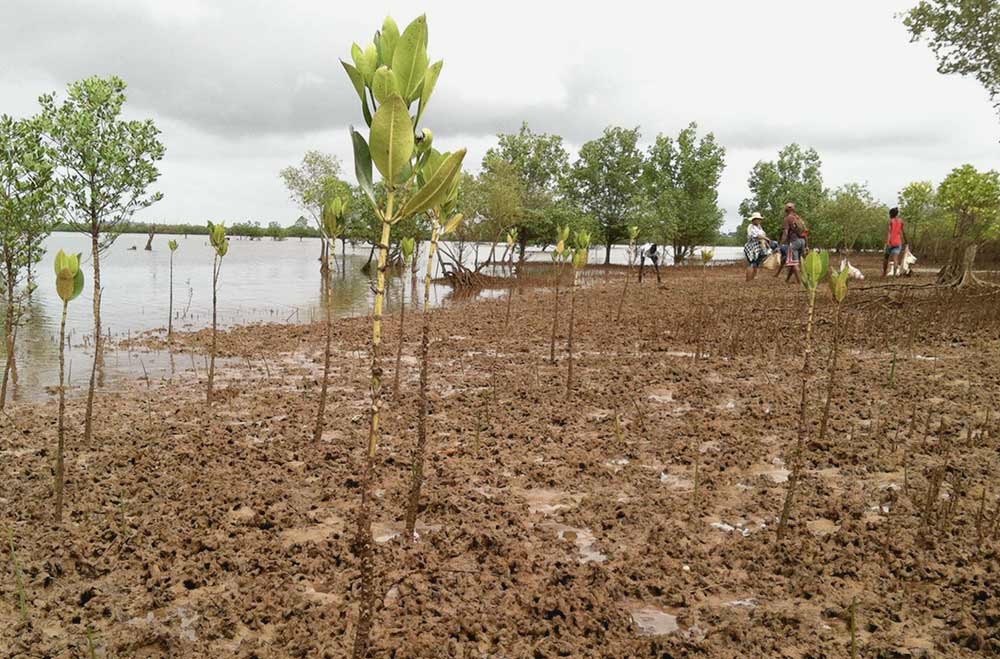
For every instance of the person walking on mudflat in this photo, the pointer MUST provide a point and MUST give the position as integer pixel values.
(794, 235)
(895, 241)
(650, 251)
(757, 247)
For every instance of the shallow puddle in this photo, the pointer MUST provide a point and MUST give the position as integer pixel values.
(545, 502)
(653, 621)
(822, 526)
(774, 472)
(312, 533)
(676, 482)
(584, 540)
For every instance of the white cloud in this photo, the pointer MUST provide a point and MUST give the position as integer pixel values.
(242, 88)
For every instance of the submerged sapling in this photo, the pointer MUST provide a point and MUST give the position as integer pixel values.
(220, 245)
(69, 284)
(172, 244)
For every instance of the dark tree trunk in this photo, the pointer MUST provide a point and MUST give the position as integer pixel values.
(958, 271)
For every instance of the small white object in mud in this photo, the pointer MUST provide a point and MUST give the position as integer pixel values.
(652, 621)
(852, 272)
(749, 603)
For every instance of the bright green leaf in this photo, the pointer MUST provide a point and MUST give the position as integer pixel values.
(391, 140)
(434, 192)
(409, 60)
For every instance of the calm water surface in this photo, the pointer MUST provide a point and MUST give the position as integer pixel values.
(260, 281)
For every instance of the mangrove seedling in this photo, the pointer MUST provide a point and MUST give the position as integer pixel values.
(580, 253)
(220, 245)
(69, 285)
(633, 235)
(511, 241)
(838, 287)
(406, 247)
(22, 599)
(706, 256)
(814, 269)
(559, 256)
(331, 226)
(170, 310)
(389, 76)
(437, 232)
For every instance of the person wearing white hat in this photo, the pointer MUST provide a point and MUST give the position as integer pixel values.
(757, 247)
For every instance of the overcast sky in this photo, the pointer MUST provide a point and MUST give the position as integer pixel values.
(241, 88)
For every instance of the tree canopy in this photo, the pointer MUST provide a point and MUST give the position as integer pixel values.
(795, 176)
(540, 163)
(965, 38)
(605, 181)
(105, 164)
(680, 182)
(314, 182)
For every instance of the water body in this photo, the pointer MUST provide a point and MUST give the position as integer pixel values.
(261, 281)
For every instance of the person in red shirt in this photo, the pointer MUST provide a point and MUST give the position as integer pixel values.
(895, 242)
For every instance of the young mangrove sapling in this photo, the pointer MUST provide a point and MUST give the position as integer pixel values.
(69, 284)
(389, 76)
(580, 253)
(331, 227)
(220, 245)
(437, 231)
(633, 235)
(170, 310)
(838, 287)
(814, 269)
(406, 247)
(559, 256)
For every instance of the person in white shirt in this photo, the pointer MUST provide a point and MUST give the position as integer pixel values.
(757, 247)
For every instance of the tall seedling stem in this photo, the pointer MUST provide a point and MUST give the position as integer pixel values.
(838, 286)
(170, 309)
(706, 256)
(391, 74)
(814, 268)
(220, 245)
(330, 226)
(633, 234)
(22, 599)
(69, 284)
(559, 255)
(417, 468)
(580, 252)
(406, 247)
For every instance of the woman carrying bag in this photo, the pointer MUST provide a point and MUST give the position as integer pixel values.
(757, 247)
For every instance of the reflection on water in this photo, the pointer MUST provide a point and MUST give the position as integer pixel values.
(261, 281)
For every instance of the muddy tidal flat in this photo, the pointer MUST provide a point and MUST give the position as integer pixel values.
(634, 517)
